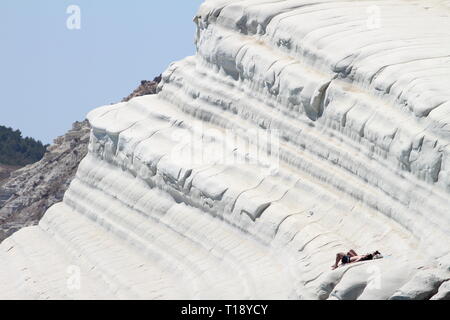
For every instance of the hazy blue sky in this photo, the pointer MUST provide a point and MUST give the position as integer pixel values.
(51, 76)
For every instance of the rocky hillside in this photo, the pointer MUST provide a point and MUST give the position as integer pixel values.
(5, 172)
(30, 191)
(27, 193)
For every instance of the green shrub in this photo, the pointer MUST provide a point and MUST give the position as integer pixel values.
(18, 151)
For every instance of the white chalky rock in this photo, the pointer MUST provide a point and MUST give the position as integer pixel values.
(299, 129)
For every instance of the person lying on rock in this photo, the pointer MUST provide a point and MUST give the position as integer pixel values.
(352, 257)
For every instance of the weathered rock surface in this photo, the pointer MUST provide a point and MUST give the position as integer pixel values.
(30, 191)
(299, 129)
(5, 172)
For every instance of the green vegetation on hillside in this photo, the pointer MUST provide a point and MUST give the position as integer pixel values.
(18, 151)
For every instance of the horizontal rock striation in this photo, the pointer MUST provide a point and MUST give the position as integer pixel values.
(5, 172)
(298, 130)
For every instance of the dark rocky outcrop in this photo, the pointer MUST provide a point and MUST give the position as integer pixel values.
(146, 88)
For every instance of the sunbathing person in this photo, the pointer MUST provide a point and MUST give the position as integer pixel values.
(352, 257)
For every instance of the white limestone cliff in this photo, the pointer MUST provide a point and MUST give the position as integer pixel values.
(298, 130)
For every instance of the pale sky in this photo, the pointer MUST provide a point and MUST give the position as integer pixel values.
(51, 76)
